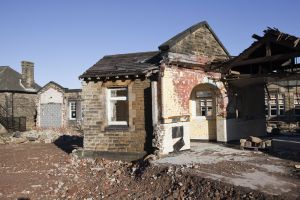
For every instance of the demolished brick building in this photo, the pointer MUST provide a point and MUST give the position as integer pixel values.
(191, 89)
(163, 99)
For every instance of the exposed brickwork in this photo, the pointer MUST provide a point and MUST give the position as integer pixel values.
(178, 84)
(96, 135)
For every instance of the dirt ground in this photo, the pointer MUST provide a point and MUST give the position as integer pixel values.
(44, 171)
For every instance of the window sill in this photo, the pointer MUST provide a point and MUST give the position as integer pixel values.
(117, 128)
(202, 117)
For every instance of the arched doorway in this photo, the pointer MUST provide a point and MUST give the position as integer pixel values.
(203, 109)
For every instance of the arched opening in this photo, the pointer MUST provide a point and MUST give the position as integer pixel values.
(203, 109)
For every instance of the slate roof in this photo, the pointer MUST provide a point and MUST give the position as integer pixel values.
(124, 65)
(67, 90)
(10, 81)
(168, 44)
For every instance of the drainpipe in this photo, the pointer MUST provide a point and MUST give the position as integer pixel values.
(154, 103)
(162, 107)
(12, 110)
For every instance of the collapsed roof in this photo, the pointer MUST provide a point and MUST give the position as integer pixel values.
(273, 51)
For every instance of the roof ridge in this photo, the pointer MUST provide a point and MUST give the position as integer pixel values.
(183, 33)
(124, 54)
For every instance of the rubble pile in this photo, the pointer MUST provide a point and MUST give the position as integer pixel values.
(255, 143)
(36, 136)
(104, 179)
(46, 172)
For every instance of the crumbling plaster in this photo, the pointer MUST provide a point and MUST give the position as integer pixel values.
(177, 84)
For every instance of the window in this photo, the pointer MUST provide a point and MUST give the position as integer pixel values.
(297, 60)
(204, 104)
(280, 104)
(297, 104)
(72, 110)
(275, 104)
(117, 106)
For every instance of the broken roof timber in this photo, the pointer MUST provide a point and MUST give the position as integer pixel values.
(280, 57)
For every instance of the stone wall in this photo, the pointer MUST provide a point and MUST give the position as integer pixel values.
(73, 96)
(24, 105)
(200, 42)
(98, 136)
(290, 94)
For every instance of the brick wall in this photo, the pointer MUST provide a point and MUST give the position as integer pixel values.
(97, 136)
(177, 85)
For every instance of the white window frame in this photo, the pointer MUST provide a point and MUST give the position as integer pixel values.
(296, 103)
(277, 106)
(204, 99)
(109, 99)
(71, 104)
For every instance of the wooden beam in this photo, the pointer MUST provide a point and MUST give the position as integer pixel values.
(268, 49)
(265, 59)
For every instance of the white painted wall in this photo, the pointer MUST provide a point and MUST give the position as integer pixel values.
(51, 96)
(168, 141)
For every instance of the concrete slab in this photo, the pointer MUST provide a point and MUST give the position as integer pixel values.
(281, 144)
(252, 169)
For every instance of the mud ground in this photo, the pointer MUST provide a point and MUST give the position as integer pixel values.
(44, 171)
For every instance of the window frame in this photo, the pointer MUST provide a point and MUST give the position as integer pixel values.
(296, 103)
(207, 97)
(72, 110)
(279, 108)
(109, 98)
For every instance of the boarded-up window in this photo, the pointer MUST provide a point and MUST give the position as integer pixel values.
(118, 110)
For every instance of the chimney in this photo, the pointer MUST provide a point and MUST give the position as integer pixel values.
(27, 74)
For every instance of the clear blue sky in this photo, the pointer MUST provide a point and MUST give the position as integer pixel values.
(64, 38)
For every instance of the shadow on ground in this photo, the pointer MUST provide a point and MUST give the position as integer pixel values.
(68, 143)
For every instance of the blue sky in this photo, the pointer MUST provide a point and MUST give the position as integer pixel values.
(64, 38)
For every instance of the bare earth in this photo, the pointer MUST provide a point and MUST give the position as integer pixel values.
(44, 171)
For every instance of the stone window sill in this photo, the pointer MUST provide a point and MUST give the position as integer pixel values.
(117, 128)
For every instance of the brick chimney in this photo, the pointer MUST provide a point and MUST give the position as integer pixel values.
(27, 74)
